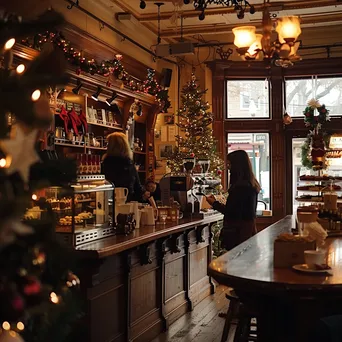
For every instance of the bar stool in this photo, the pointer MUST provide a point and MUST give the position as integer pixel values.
(246, 320)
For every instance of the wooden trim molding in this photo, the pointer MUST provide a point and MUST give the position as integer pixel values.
(281, 136)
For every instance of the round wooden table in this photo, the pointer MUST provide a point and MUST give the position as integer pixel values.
(288, 304)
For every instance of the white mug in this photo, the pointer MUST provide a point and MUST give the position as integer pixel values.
(124, 208)
(313, 258)
(149, 216)
(121, 192)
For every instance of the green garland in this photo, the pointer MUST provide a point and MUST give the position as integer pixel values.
(306, 148)
(306, 161)
(104, 68)
(315, 123)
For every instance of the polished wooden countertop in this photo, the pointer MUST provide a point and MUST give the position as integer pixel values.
(249, 266)
(119, 243)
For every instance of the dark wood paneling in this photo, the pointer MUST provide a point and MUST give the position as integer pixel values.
(136, 294)
(281, 136)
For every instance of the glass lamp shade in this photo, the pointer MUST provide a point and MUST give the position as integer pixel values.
(244, 36)
(288, 29)
(256, 45)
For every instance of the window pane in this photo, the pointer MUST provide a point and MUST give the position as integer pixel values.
(257, 145)
(247, 99)
(300, 91)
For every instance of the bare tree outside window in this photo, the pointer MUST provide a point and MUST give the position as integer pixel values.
(300, 91)
(247, 99)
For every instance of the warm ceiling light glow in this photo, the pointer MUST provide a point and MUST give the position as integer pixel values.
(36, 95)
(288, 29)
(244, 36)
(9, 44)
(256, 46)
(20, 326)
(20, 68)
(34, 197)
(6, 326)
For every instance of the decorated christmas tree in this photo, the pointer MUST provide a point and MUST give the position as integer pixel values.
(37, 287)
(196, 137)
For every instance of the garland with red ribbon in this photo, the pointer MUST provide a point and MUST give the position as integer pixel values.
(105, 68)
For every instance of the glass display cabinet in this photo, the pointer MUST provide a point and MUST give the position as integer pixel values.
(82, 212)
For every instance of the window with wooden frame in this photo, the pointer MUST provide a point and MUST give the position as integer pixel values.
(327, 90)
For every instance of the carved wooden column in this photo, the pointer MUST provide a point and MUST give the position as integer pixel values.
(278, 144)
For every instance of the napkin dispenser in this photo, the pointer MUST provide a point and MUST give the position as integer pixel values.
(289, 250)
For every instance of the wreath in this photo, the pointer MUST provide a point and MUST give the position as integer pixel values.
(315, 123)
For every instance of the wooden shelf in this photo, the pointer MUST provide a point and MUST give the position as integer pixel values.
(139, 152)
(96, 148)
(68, 145)
(103, 125)
(142, 171)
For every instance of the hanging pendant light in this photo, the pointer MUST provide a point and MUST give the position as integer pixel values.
(281, 52)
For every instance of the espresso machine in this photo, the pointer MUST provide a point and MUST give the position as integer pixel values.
(187, 189)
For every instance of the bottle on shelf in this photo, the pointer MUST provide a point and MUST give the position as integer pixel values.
(89, 164)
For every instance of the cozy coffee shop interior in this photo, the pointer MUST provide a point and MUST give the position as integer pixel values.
(95, 93)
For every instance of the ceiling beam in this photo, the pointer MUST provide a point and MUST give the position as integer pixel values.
(285, 6)
(317, 20)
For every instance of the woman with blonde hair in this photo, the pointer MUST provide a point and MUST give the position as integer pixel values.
(240, 209)
(118, 167)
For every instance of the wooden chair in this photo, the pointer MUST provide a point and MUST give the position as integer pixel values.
(246, 322)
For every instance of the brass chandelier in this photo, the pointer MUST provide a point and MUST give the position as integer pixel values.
(281, 52)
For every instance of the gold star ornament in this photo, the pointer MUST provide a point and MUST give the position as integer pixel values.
(21, 153)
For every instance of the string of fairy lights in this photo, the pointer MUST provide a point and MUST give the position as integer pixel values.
(105, 68)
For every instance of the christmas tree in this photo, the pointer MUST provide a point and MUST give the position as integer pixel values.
(37, 288)
(195, 122)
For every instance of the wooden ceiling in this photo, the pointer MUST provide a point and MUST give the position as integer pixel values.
(219, 19)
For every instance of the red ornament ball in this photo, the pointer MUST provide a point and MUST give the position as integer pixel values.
(192, 155)
(219, 172)
(32, 287)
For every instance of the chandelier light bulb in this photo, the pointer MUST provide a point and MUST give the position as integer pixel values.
(256, 46)
(9, 44)
(288, 29)
(244, 37)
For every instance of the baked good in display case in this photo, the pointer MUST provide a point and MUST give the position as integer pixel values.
(82, 212)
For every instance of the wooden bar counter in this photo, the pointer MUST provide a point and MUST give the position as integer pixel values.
(287, 304)
(136, 285)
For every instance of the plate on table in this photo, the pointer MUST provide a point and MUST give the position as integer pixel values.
(305, 269)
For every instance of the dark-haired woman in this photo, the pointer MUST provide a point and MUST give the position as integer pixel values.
(240, 209)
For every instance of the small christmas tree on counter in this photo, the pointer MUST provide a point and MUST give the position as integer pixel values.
(195, 121)
(37, 298)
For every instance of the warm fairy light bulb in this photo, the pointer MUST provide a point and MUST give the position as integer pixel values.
(20, 326)
(36, 95)
(9, 44)
(34, 197)
(3, 162)
(54, 298)
(20, 68)
(6, 326)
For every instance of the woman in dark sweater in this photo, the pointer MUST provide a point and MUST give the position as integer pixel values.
(240, 209)
(118, 167)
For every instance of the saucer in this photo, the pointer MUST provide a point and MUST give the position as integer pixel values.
(305, 269)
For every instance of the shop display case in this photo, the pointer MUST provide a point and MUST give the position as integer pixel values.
(82, 211)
